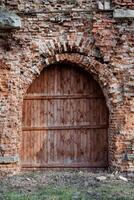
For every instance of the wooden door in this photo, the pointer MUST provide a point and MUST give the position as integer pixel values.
(65, 120)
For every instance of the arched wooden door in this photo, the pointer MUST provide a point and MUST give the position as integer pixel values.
(65, 120)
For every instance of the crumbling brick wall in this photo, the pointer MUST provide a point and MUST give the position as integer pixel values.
(78, 32)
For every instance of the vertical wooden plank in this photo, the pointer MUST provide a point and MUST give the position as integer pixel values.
(88, 145)
(24, 113)
(42, 113)
(31, 148)
(42, 147)
(29, 113)
(91, 144)
(55, 146)
(83, 145)
(62, 145)
(71, 146)
(37, 149)
(78, 153)
(45, 113)
(52, 146)
(48, 113)
(59, 147)
(58, 113)
(74, 146)
(44, 81)
(28, 147)
(23, 154)
(68, 147)
(46, 148)
(31, 118)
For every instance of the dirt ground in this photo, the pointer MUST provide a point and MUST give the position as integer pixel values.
(67, 185)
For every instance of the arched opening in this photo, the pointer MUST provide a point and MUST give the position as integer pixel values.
(65, 120)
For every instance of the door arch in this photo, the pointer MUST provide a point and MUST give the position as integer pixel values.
(65, 120)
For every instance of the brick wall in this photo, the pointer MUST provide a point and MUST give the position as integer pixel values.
(78, 32)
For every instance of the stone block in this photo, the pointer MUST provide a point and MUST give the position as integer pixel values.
(130, 156)
(120, 13)
(9, 159)
(104, 5)
(9, 20)
(100, 5)
(107, 5)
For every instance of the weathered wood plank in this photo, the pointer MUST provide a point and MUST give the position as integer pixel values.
(65, 96)
(77, 127)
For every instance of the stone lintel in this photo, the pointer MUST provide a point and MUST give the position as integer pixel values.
(121, 13)
(9, 159)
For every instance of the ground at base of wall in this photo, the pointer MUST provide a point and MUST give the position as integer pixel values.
(67, 185)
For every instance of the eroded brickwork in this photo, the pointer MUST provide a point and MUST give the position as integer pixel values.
(73, 31)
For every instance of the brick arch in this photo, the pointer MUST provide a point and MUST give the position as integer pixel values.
(107, 81)
(70, 43)
(101, 72)
(79, 50)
